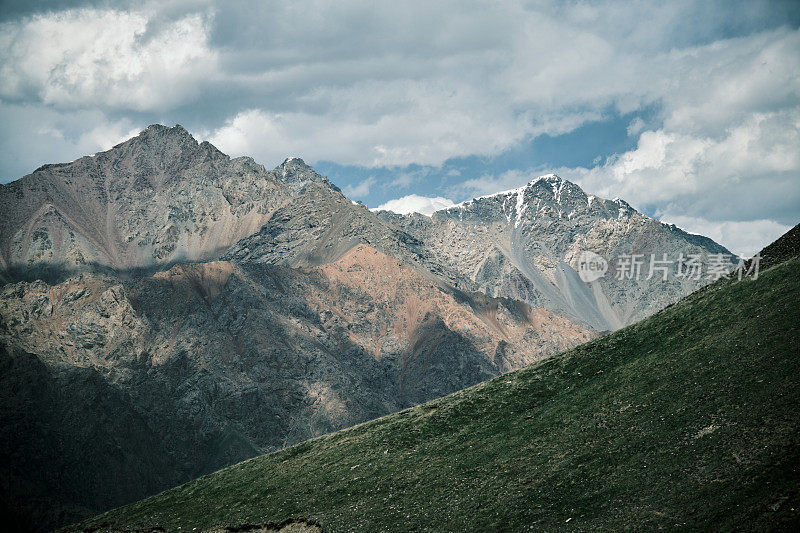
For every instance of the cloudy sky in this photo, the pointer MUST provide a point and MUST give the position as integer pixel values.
(688, 110)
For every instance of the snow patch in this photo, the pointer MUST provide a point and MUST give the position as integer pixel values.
(507, 214)
(558, 188)
(521, 205)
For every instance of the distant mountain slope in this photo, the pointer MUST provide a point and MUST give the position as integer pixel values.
(525, 244)
(686, 420)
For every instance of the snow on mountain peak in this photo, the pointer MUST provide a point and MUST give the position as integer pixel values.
(516, 191)
(521, 205)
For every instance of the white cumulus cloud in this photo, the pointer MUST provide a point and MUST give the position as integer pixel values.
(413, 203)
(751, 170)
(743, 238)
(90, 57)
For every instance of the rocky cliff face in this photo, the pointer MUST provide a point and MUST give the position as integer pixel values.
(194, 310)
(156, 199)
(525, 244)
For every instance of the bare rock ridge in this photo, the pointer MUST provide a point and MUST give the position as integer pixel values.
(158, 198)
(525, 244)
(168, 310)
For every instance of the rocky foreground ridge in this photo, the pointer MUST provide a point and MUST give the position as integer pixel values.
(168, 310)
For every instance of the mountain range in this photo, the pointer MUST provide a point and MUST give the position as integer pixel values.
(167, 310)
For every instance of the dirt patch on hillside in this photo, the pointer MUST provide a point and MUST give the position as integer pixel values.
(287, 526)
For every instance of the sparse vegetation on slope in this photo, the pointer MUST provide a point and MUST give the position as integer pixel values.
(686, 419)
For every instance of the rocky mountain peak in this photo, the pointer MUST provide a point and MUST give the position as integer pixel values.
(161, 130)
(548, 193)
(545, 197)
(160, 135)
(295, 171)
(158, 149)
(294, 163)
(156, 198)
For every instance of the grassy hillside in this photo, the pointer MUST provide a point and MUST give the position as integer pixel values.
(687, 419)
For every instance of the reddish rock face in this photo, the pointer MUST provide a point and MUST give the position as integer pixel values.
(512, 334)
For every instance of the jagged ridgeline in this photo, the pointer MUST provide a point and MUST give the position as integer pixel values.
(167, 310)
(685, 420)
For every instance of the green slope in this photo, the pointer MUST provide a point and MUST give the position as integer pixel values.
(687, 419)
